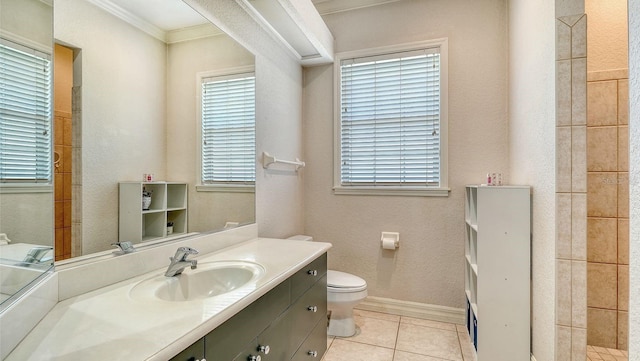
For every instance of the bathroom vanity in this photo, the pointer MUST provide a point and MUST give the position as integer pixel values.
(288, 322)
(281, 308)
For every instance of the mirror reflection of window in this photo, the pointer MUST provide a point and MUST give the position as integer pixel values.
(228, 129)
(25, 114)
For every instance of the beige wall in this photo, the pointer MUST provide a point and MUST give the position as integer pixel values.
(428, 266)
(28, 22)
(207, 210)
(279, 207)
(531, 150)
(608, 35)
(123, 111)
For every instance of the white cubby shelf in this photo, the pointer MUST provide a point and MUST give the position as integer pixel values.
(168, 204)
(497, 271)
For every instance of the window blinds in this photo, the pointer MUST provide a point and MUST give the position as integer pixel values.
(25, 114)
(390, 119)
(228, 129)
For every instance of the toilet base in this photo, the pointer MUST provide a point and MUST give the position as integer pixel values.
(341, 323)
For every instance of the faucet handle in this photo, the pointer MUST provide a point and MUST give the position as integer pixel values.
(125, 247)
(187, 250)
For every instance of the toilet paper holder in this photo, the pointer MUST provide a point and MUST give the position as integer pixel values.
(390, 240)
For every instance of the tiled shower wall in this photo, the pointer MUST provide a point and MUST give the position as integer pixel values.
(63, 153)
(571, 188)
(607, 209)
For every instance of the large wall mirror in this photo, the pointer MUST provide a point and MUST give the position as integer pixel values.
(130, 79)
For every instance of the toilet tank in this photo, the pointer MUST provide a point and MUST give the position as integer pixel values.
(301, 237)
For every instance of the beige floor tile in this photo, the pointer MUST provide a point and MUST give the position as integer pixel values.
(342, 350)
(378, 315)
(599, 349)
(375, 332)
(429, 341)
(429, 323)
(468, 351)
(593, 355)
(329, 341)
(461, 328)
(408, 356)
(607, 357)
(615, 352)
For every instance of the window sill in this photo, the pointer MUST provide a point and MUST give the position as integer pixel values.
(392, 191)
(9, 188)
(226, 188)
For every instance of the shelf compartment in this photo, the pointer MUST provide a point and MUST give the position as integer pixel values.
(179, 219)
(153, 225)
(157, 195)
(176, 195)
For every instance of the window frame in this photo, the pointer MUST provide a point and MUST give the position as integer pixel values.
(393, 190)
(26, 186)
(216, 187)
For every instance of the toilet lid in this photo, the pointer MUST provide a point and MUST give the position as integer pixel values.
(343, 280)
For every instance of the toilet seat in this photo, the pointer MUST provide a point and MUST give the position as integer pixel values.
(342, 282)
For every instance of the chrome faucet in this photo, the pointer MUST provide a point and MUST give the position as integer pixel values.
(124, 247)
(36, 255)
(179, 261)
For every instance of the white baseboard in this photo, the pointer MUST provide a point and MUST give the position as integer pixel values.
(413, 309)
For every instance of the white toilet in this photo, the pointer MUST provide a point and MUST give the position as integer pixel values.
(344, 291)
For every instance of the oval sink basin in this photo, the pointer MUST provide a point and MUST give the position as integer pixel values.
(209, 279)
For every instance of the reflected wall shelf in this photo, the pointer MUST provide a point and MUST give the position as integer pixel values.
(168, 204)
(497, 271)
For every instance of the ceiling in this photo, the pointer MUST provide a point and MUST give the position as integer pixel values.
(167, 15)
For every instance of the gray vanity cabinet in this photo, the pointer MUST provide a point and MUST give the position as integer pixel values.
(192, 353)
(291, 320)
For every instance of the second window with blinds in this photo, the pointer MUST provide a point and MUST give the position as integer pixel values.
(391, 120)
(227, 131)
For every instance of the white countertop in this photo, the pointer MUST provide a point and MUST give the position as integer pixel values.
(107, 324)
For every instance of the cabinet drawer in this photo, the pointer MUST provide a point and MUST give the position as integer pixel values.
(226, 341)
(314, 347)
(307, 276)
(248, 351)
(286, 334)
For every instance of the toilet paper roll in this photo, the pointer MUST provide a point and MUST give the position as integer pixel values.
(389, 244)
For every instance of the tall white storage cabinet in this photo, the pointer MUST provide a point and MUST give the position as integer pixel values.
(497, 271)
(168, 204)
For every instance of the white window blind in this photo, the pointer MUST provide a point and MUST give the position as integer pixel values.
(25, 114)
(228, 129)
(390, 120)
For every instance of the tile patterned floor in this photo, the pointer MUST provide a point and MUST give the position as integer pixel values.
(384, 337)
(595, 353)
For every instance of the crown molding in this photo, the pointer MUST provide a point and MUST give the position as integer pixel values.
(192, 33)
(326, 7)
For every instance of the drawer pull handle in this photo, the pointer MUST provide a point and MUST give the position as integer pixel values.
(312, 272)
(313, 308)
(264, 349)
(313, 353)
(255, 358)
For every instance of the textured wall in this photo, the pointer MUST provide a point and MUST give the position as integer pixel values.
(207, 210)
(278, 116)
(123, 111)
(428, 266)
(531, 150)
(607, 33)
(28, 217)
